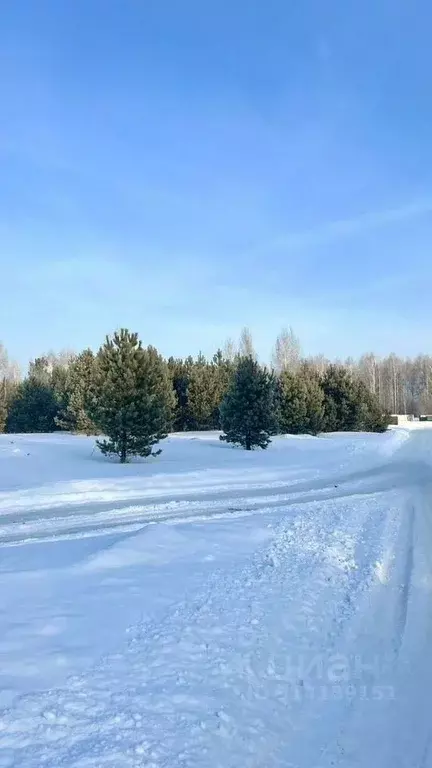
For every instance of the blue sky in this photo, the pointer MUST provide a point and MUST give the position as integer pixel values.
(187, 167)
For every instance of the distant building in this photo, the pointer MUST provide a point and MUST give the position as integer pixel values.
(396, 419)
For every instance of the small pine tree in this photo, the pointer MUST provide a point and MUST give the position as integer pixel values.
(74, 415)
(132, 397)
(343, 409)
(248, 410)
(314, 400)
(292, 404)
(33, 408)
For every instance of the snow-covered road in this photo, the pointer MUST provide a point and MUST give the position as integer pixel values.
(217, 608)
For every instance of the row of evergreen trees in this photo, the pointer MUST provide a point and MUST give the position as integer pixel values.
(133, 397)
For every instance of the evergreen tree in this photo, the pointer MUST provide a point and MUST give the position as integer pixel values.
(199, 387)
(374, 419)
(314, 400)
(51, 371)
(74, 415)
(40, 371)
(132, 397)
(33, 408)
(248, 409)
(208, 385)
(224, 368)
(343, 409)
(179, 371)
(58, 382)
(34, 405)
(292, 400)
(203, 395)
(300, 400)
(3, 404)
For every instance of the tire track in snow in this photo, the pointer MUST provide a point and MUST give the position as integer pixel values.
(404, 589)
(21, 525)
(24, 505)
(99, 518)
(200, 676)
(131, 518)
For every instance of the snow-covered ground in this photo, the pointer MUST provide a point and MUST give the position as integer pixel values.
(217, 608)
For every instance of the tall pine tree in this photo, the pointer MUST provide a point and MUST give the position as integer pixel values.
(314, 399)
(132, 397)
(208, 385)
(224, 369)
(343, 410)
(179, 371)
(374, 418)
(292, 396)
(74, 416)
(248, 409)
(200, 386)
(203, 395)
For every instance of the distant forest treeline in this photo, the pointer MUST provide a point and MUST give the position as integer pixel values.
(52, 394)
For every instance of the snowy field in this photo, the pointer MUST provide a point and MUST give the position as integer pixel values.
(217, 608)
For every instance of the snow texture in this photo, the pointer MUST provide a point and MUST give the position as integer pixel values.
(214, 607)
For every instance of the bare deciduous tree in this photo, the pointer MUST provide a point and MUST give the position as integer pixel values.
(287, 351)
(9, 369)
(246, 347)
(229, 350)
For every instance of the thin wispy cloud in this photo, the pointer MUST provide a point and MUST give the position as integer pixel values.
(345, 228)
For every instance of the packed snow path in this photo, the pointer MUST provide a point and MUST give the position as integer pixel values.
(216, 608)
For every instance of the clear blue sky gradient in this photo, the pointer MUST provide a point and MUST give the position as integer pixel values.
(187, 167)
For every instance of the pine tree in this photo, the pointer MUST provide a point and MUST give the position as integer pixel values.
(203, 395)
(224, 369)
(3, 404)
(40, 370)
(207, 386)
(247, 411)
(33, 408)
(343, 410)
(314, 400)
(179, 371)
(74, 415)
(199, 387)
(35, 403)
(374, 419)
(292, 398)
(132, 397)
